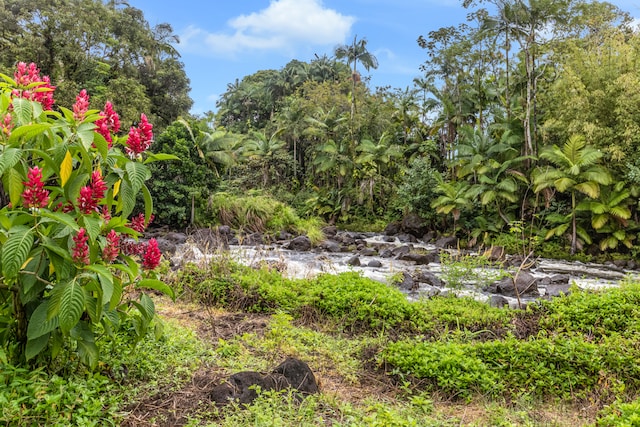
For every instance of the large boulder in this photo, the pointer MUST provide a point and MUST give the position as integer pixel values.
(428, 278)
(392, 228)
(524, 284)
(414, 225)
(419, 259)
(241, 387)
(300, 244)
(447, 242)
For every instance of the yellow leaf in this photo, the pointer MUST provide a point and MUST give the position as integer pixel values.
(116, 188)
(65, 168)
(52, 269)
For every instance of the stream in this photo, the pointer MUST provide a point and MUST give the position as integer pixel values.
(551, 276)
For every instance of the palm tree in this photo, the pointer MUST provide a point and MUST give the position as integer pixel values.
(576, 171)
(610, 215)
(454, 197)
(354, 53)
(264, 149)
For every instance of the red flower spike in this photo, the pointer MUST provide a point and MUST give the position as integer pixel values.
(81, 106)
(34, 194)
(80, 250)
(86, 202)
(152, 255)
(137, 223)
(108, 123)
(140, 138)
(27, 74)
(111, 251)
(98, 186)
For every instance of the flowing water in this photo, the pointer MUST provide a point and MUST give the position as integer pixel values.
(306, 264)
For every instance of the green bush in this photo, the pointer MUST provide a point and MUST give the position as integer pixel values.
(453, 313)
(449, 367)
(596, 313)
(563, 367)
(620, 414)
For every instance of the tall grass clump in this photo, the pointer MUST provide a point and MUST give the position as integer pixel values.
(257, 213)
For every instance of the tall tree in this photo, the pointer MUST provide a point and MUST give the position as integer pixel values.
(355, 53)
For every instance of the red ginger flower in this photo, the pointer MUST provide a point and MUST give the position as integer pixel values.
(137, 223)
(7, 125)
(98, 186)
(81, 106)
(91, 194)
(80, 250)
(112, 249)
(27, 74)
(152, 255)
(140, 138)
(108, 123)
(34, 194)
(86, 202)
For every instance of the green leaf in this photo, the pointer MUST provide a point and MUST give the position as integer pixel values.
(101, 145)
(15, 251)
(22, 111)
(106, 281)
(126, 198)
(86, 133)
(87, 348)
(69, 299)
(61, 217)
(13, 182)
(145, 307)
(92, 225)
(9, 158)
(137, 174)
(35, 346)
(28, 132)
(155, 157)
(40, 323)
(148, 203)
(157, 285)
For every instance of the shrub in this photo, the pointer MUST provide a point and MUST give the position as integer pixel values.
(595, 313)
(620, 414)
(71, 185)
(565, 367)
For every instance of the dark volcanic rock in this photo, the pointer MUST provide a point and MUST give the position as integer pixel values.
(386, 253)
(368, 252)
(300, 243)
(525, 284)
(498, 301)
(241, 387)
(330, 231)
(166, 246)
(400, 250)
(407, 284)
(414, 225)
(354, 261)
(392, 228)
(428, 278)
(374, 263)
(407, 238)
(447, 242)
(420, 259)
(330, 246)
(175, 237)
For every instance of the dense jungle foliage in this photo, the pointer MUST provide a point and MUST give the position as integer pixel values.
(523, 130)
(525, 119)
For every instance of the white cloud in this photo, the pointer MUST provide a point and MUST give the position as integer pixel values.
(283, 25)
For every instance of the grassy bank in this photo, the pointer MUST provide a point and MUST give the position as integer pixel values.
(379, 360)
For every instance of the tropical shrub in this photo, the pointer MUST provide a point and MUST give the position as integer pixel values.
(69, 186)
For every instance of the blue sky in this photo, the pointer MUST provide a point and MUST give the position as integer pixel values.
(225, 40)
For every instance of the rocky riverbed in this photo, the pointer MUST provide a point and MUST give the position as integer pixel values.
(401, 259)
